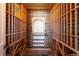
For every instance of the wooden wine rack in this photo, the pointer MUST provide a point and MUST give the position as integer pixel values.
(15, 30)
(65, 29)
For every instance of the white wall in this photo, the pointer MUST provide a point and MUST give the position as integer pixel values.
(2, 28)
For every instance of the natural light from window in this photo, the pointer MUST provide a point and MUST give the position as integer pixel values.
(38, 26)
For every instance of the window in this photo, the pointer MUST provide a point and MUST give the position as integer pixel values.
(38, 37)
(38, 45)
(38, 41)
(38, 26)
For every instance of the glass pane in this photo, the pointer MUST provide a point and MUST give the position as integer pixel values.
(38, 41)
(38, 26)
(38, 44)
(38, 37)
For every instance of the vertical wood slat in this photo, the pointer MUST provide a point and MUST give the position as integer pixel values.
(70, 26)
(76, 46)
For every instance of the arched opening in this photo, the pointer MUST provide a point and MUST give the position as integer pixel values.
(38, 26)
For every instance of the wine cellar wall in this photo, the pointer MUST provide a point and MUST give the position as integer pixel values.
(65, 29)
(16, 34)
